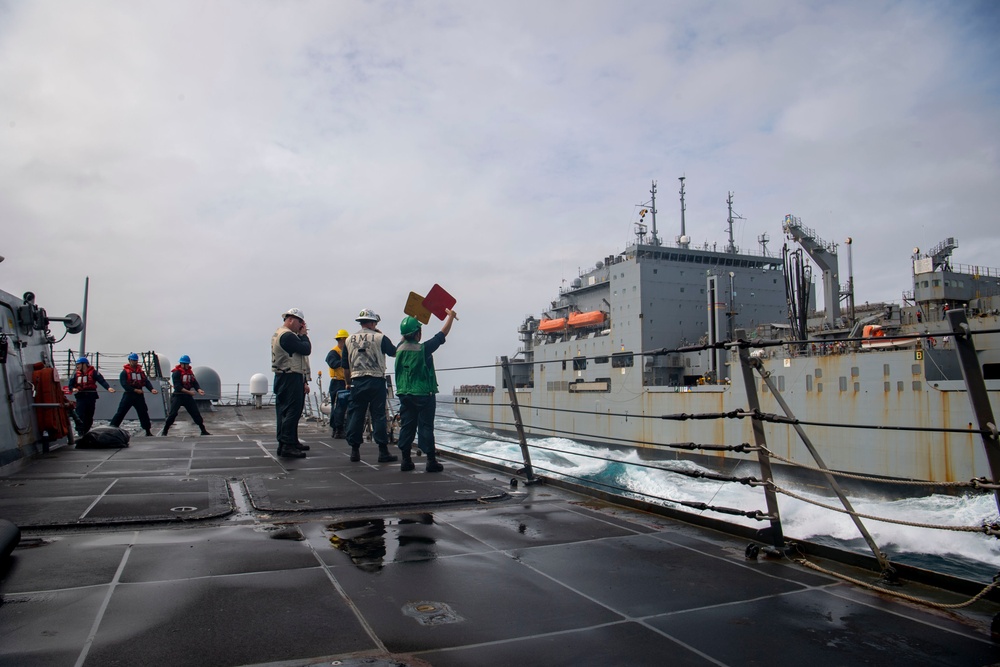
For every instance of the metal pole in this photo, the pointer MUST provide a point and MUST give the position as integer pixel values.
(760, 439)
(972, 371)
(515, 408)
(889, 572)
(83, 334)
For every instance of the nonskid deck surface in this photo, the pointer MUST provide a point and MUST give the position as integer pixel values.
(186, 550)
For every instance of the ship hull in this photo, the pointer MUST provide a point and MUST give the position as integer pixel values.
(885, 390)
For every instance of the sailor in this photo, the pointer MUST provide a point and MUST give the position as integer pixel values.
(416, 386)
(134, 381)
(366, 352)
(336, 359)
(83, 383)
(186, 387)
(290, 350)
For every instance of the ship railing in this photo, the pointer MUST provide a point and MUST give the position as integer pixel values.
(976, 271)
(749, 366)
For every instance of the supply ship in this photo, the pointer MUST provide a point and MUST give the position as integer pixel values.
(632, 354)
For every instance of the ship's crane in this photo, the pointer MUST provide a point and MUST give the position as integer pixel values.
(825, 256)
(940, 253)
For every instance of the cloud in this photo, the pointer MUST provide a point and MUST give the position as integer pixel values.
(210, 164)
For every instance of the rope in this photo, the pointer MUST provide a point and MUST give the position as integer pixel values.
(974, 484)
(864, 584)
(992, 529)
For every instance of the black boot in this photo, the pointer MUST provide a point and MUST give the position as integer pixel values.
(432, 464)
(301, 447)
(407, 464)
(149, 434)
(355, 454)
(287, 452)
(384, 456)
(204, 431)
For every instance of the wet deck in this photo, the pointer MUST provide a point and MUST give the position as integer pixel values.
(186, 550)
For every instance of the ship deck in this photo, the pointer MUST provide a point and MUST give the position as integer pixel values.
(187, 550)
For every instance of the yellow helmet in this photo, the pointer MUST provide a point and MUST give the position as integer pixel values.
(342, 334)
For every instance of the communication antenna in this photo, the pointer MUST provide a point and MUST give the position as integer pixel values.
(731, 247)
(683, 240)
(641, 225)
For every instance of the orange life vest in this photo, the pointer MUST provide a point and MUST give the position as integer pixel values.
(86, 380)
(135, 377)
(187, 376)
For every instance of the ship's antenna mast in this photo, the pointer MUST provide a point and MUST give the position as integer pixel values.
(762, 240)
(850, 280)
(682, 240)
(731, 248)
(83, 338)
(652, 208)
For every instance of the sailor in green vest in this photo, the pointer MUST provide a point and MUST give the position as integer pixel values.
(416, 386)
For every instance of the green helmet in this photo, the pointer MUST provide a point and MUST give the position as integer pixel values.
(409, 325)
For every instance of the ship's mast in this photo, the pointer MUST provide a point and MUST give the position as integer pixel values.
(762, 240)
(850, 280)
(652, 208)
(731, 248)
(682, 241)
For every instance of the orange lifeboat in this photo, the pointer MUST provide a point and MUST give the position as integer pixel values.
(588, 319)
(874, 337)
(552, 326)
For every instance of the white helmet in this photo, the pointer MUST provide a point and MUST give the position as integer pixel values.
(294, 312)
(368, 315)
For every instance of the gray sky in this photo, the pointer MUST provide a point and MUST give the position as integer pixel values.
(211, 164)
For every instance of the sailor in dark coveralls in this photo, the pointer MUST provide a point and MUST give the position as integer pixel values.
(134, 381)
(83, 383)
(366, 352)
(185, 386)
(290, 350)
(336, 359)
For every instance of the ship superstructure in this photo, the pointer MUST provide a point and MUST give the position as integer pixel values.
(632, 340)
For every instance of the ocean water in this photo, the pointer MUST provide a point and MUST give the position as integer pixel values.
(974, 556)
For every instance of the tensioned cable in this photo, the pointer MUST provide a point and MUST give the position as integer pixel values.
(761, 344)
(748, 480)
(763, 416)
(743, 448)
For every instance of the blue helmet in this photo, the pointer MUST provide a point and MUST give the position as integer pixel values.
(132, 356)
(184, 359)
(83, 360)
